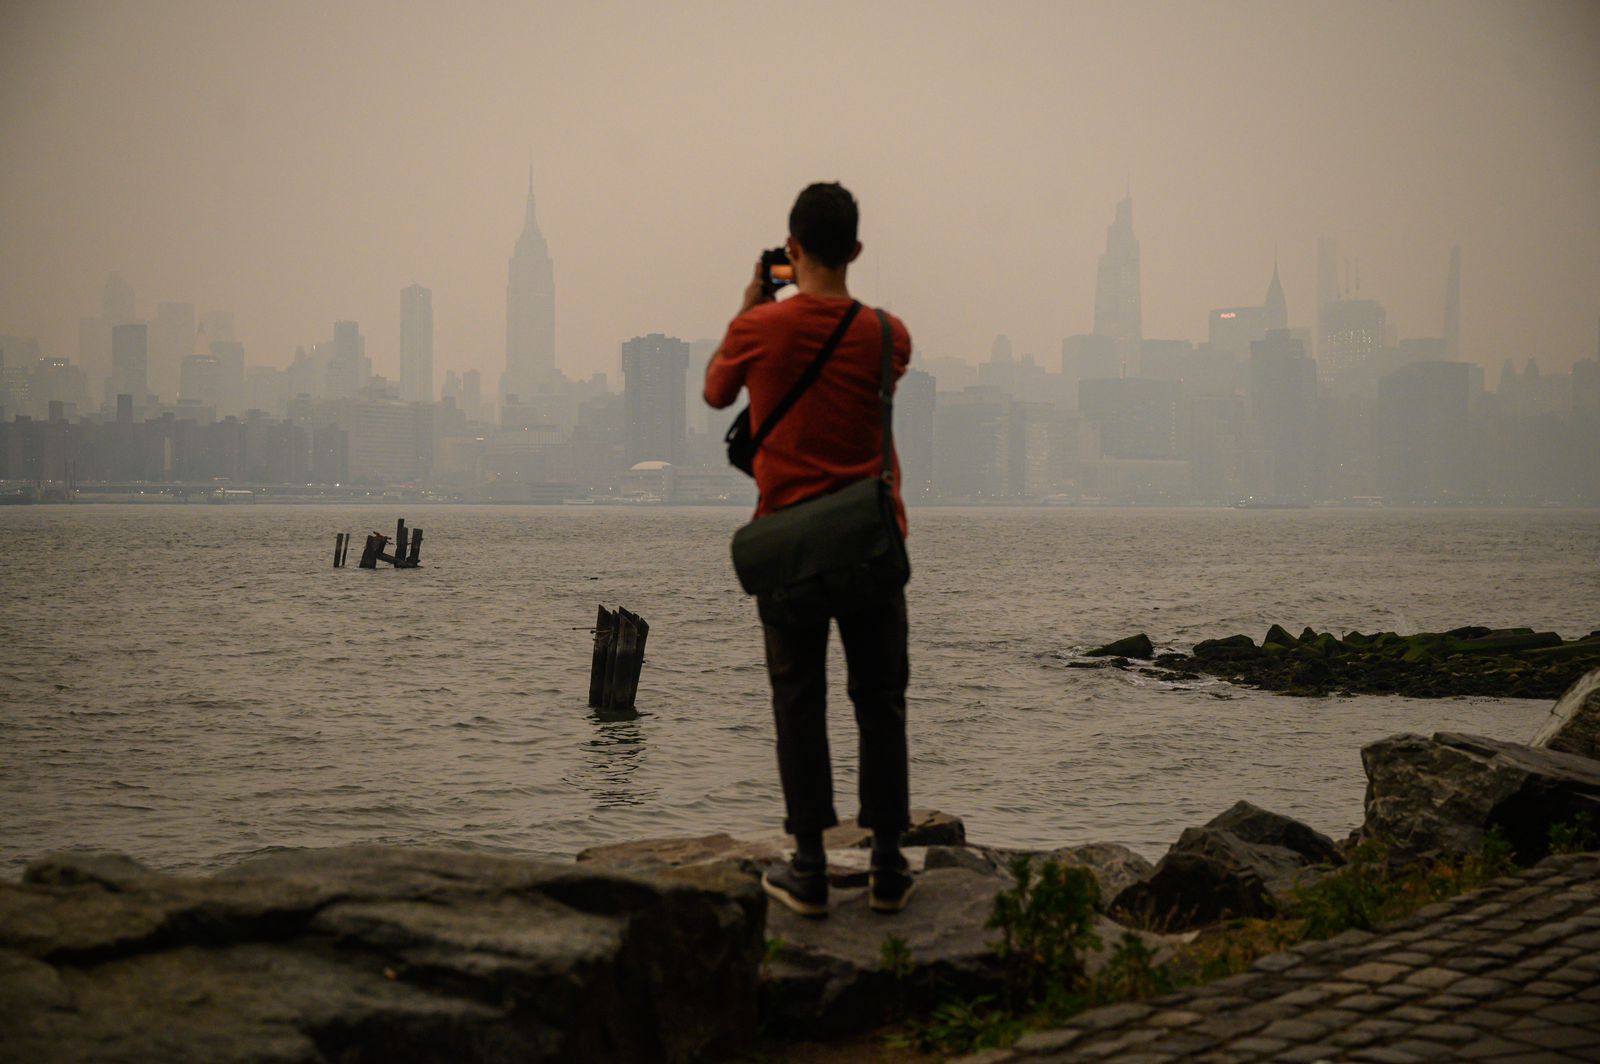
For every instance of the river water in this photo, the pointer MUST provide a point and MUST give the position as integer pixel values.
(194, 685)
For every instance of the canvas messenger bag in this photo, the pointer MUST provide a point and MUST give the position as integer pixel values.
(834, 553)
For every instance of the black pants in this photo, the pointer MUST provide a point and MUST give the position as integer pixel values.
(875, 654)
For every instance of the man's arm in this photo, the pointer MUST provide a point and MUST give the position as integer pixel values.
(724, 376)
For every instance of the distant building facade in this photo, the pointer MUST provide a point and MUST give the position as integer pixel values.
(654, 370)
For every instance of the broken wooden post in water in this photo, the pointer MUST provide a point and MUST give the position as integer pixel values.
(619, 639)
(374, 552)
(338, 549)
(603, 629)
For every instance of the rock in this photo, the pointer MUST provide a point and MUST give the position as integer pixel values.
(1210, 875)
(376, 953)
(1134, 646)
(1277, 636)
(972, 858)
(648, 854)
(1443, 794)
(827, 977)
(1254, 824)
(1574, 724)
(1114, 867)
(929, 827)
(1232, 646)
(1510, 639)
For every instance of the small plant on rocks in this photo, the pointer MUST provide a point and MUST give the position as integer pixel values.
(1131, 973)
(961, 1026)
(1574, 836)
(1045, 926)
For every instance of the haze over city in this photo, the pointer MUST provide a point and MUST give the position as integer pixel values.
(299, 164)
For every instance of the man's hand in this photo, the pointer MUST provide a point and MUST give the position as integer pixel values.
(756, 291)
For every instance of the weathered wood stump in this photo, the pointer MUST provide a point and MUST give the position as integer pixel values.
(618, 658)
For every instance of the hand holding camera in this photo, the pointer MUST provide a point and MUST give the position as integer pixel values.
(774, 271)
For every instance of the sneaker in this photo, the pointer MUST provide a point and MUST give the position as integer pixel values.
(804, 890)
(890, 888)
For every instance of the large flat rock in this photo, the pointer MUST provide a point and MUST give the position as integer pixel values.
(1444, 793)
(376, 954)
(1574, 724)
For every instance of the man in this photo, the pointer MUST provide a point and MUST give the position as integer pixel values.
(831, 438)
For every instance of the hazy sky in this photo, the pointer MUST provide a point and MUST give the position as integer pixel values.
(300, 163)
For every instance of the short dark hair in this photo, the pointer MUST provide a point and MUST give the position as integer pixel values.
(824, 221)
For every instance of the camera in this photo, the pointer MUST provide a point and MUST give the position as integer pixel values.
(776, 270)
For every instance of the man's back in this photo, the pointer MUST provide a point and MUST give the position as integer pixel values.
(832, 436)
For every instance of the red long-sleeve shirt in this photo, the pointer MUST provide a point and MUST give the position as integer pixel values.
(833, 436)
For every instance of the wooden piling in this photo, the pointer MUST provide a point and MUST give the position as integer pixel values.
(399, 543)
(344, 555)
(630, 661)
(416, 549)
(338, 548)
(373, 551)
(604, 631)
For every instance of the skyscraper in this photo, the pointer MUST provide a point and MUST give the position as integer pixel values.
(344, 365)
(416, 344)
(1352, 335)
(1116, 290)
(530, 310)
(1327, 282)
(654, 372)
(130, 361)
(1283, 405)
(1452, 308)
(171, 341)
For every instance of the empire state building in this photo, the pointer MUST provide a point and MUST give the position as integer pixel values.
(530, 311)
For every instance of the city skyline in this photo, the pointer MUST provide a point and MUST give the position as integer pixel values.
(657, 187)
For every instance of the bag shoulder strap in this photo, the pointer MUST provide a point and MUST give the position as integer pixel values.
(886, 396)
(808, 378)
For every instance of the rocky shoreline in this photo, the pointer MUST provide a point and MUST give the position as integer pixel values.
(666, 949)
(1470, 661)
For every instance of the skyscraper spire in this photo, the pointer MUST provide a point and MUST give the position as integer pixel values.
(1277, 308)
(530, 310)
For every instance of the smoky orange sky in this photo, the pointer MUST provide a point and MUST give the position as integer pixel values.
(300, 163)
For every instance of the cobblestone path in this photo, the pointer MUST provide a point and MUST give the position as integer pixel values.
(1508, 973)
